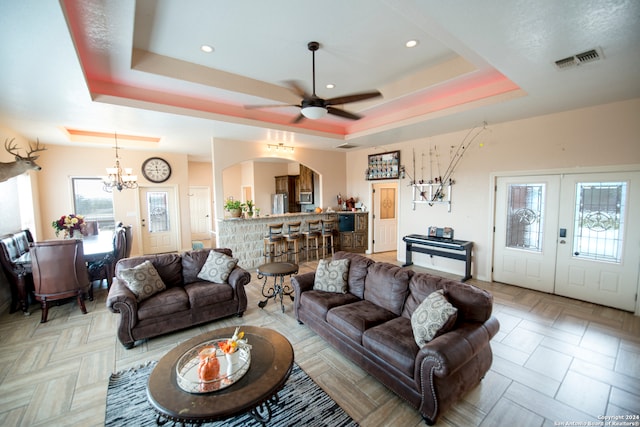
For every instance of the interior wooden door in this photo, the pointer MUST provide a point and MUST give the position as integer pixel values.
(200, 212)
(385, 217)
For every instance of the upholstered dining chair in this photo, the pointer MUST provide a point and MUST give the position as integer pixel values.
(91, 228)
(128, 236)
(105, 268)
(59, 272)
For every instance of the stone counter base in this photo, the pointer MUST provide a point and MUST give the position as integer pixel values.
(244, 236)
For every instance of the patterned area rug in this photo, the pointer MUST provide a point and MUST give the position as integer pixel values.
(302, 403)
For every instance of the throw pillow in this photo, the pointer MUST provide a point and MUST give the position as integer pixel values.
(332, 276)
(143, 280)
(433, 317)
(217, 267)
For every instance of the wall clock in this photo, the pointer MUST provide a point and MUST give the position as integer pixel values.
(156, 169)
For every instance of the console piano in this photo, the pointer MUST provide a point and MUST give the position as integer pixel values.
(438, 246)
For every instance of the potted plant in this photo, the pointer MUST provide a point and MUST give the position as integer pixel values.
(248, 207)
(234, 207)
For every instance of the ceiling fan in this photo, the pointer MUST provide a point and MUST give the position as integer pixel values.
(314, 107)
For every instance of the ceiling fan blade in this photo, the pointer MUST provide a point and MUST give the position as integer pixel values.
(254, 107)
(352, 98)
(343, 113)
(296, 88)
(298, 119)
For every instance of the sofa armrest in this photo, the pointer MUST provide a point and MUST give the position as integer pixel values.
(122, 300)
(451, 364)
(447, 353)
(239, 277)
(301, 282)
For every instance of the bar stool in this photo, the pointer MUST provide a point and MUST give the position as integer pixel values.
(293, 235)
(327, 235)
(312, 231)
(273, 241)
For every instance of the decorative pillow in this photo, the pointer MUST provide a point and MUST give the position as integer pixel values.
(217, 267)
(332, 276)
(433, 317)
(143, 280)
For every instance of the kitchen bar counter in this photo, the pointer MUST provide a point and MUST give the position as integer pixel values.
(244, 235)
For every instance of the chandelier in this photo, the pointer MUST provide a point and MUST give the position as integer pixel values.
(118, 177)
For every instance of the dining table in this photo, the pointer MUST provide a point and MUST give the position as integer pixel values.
(95, 248)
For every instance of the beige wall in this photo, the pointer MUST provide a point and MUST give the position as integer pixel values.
(60, 163)
(602, 136)
(200, 174)
(330, 165)
(265, 183)
(579, 140)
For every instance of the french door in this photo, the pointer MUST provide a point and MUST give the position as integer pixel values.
(572, 235)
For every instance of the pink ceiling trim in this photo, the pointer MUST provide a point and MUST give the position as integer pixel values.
(101, 81)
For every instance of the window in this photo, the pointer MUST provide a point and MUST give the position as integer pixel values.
(158, 208)
(525, 220)
(91, 201)
(599, 220)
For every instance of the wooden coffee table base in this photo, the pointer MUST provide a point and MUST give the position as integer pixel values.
(271, 365)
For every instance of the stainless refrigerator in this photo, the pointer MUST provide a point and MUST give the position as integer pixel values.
(279, 203)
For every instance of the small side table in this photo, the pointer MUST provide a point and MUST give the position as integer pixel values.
(277, 270)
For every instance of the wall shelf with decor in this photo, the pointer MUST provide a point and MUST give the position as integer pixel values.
(432, 193)
(383, 166)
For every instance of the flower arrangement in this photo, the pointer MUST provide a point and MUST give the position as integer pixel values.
(231, 345)
(69, 224)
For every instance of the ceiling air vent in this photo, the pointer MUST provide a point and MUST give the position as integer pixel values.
(579, 59)
(347, 146)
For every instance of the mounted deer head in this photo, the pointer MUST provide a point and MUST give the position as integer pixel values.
(22, 164)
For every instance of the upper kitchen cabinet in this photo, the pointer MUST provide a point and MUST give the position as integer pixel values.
(306, 180)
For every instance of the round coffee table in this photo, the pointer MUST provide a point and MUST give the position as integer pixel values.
(271, 365)
(277, 270)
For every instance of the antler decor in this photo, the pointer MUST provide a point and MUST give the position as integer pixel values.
(22, 164)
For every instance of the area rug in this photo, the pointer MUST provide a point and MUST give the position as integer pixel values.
(302, 403)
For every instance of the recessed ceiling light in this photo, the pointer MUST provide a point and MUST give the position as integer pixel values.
(206, 48)
(411, 43)
(330, 86)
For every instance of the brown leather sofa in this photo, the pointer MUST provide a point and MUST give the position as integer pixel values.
(186, 302)
(371, 324)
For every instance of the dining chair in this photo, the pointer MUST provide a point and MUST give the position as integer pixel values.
(19, 277)
(91, 228)
(128, 237)
(105, 268)
(59, 272)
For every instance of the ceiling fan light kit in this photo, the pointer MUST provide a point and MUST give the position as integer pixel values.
(314, 113)
(312, 106)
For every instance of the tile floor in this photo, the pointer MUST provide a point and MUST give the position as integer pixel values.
(555, 360)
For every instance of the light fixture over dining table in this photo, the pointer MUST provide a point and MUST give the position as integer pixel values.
(118, 177)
